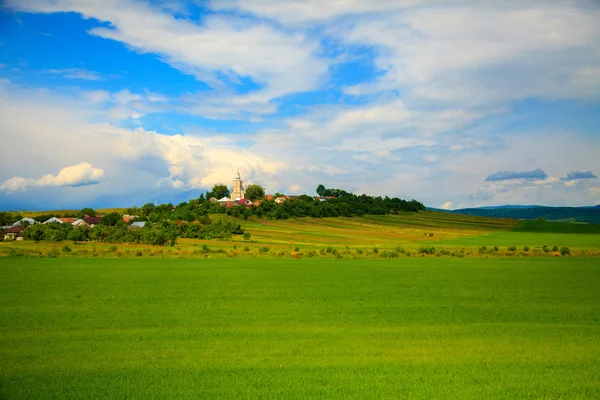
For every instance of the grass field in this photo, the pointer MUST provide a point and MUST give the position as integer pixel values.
(507, 328)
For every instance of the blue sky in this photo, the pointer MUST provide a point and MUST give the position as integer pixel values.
(455, 103)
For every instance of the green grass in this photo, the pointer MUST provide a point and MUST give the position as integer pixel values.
(410, 328)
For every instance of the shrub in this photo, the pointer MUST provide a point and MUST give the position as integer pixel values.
(359, 251)
(400, 250)
(546, 249)
(247, 236)
(334, 252)
(375, 250)
(139, 253)
(555, 248)
(427, 250)
(512, 248)
(296, 249)
(445, 252)
(526, 249)
(246, 249)
(205, 248)
(53, 252)
(113, 248)
(565, 251)
(329, 249)
(431, 234)
(482, 250)
(311, 253)
(16, 253)
(66, 248)
(496, 248)
(263, 249)
(235, 246)
(322, 252)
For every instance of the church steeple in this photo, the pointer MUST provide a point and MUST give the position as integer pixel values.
(238, 189)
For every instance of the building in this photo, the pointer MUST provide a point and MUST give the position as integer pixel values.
(25, 221)
(53, 219)
(13, 233)
(238, 189)
(92, 220)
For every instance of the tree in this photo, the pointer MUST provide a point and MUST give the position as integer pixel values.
(321, 190)
(218, 191)
(111, 219)
(254, 192)
(86, 211)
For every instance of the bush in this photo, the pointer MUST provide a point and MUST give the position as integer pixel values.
(205, 248)
(139, 253)
(322, 252)
(565, 251)
(445, 252)
(66, 248)
(431, 234)
(496, 248)
(482, 250)
(263, 249)
(329, 249)
(427, 250)
(311, 253)
(375, 250)
(296, 249)
(526, 249)
(359, 251)
(546, 249)
(246, 249)
(113, 248)
(512, 248)
(16, 253)
(555, 248)
(247, 236)
(53, 252)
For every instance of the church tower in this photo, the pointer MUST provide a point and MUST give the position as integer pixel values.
(238, 189)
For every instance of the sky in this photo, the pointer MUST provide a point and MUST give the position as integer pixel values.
(454, 103)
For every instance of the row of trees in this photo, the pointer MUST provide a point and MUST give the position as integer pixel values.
(159, 233)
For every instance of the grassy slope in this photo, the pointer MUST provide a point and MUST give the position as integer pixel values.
(421, 329)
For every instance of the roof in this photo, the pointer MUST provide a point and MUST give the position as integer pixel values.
(138, 224)
(92, 220)
(244, 201)
(224, 199)
(68, 220)
(14, 229)
(26, 219)
(79, 222)
(53, 219)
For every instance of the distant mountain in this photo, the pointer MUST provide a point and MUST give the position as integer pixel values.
(590, 215)
(507, 206)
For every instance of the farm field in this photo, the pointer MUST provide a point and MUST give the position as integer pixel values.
(310, 328)
(357, 238)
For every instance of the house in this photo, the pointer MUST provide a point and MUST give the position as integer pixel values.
(269, 197)
(244, 202)
(13, 233)
(67, 220)
(53, 219)
(224, 200)
(28, 220)
(137, 225)
(213, 200)
(320, 198)
(128, 218)
(281, 199)
(80, 223)
(92, 220)
(257, 203)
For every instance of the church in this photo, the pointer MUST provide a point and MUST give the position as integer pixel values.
(238, 192)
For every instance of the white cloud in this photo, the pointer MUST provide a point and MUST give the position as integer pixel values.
(81, 174)
(219, 51)
(126, 97)
(96, 96)
(447, 205)
(77, 73)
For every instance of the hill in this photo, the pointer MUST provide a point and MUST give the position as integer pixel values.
(590, 215)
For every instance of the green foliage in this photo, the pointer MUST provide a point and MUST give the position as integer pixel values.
(263, 249)
(247, 235)
(555, 248)
(483, 250)
(375, 250)
(526, 249)
(66, 248)
(427, 250)
(113, 248)
(86, 211)
(565, 251)
(111, 219)
(546, 249)
(255, 192)
(8, 218)
(430, 234)
(52, 253)
(512, 248)
(218, 191)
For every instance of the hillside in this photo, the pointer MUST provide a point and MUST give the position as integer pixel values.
(590, 215)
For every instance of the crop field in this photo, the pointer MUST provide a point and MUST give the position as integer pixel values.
(471, 328)
(366, 237)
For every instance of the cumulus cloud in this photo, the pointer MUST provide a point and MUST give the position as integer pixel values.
(575, 175)
(75, 175)
(536, 174)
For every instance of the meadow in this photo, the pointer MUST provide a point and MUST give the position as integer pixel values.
(418, 328)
